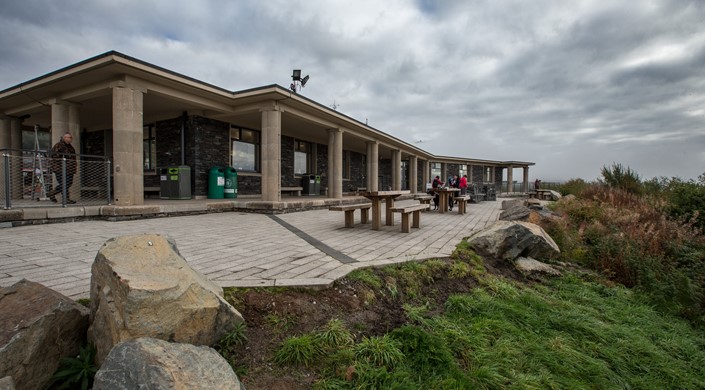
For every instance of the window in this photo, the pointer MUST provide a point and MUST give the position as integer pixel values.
(149, 148)
(488, 175)
(302, 157)
(246, 149)
(435, 170)
(462, 170)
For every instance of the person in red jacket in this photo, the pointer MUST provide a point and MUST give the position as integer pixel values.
(463, 184)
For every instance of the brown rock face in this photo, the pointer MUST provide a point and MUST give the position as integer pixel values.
(38, 326)
(142, 287)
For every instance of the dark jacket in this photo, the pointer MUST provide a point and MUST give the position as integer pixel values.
(60, 150)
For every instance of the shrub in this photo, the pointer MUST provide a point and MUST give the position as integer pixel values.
(617, 176)
(425, 352)
(574, 187)
(235, 337)
(334, 335)
(78, 372)
(379, 351)
(301, 350)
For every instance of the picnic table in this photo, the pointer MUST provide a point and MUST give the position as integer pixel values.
(377, 197)
(443, 196)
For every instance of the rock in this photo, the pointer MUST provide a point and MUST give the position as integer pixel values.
(7, 383)
(528, 267)
(515, 213)
(157, 364)
(555, 195)
(38, 326)
(142, 287)
(510, 203)
(509, 240)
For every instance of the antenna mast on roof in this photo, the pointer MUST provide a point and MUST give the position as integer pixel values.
(334, 105)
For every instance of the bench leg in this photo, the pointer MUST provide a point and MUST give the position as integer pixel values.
(365, 215)
(349, 218)
(405, 223)
(461, 206)
(417, 219)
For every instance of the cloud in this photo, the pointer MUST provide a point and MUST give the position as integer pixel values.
(572, 86)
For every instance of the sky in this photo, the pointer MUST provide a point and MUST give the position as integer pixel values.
(572, 86)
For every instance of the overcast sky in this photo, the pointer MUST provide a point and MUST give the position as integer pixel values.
(570, 85)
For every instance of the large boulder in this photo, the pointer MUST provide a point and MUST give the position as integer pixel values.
(142, 287)
(38, 326)
(509, 240)
(156, 364)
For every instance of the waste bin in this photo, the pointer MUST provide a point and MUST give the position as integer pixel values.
(164, 188)
(317, 186)
(216, 183)
(175, 182)
(230, 188)
(308, 184)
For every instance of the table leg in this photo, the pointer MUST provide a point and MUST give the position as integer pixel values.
(444, 203)
(390, 214)
(376, 214)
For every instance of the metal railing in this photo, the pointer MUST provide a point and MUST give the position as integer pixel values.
(33, 179)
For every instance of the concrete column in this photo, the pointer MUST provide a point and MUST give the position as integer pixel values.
(5, 143)
(335, 163)
(426, 175)
(510, 179)
(271, 154)
(525, 184)
(127, 145)
(396, 169)
(372, 166)
(5, 135)
(413, 174)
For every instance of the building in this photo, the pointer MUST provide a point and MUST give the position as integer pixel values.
(144, 117)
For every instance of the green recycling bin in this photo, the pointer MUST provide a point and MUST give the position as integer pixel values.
(216, 183)
(230, 188)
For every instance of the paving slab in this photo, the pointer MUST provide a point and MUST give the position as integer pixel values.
(238, 249)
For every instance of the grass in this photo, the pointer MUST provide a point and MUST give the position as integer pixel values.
(568, 333)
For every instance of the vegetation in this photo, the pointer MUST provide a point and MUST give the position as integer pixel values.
(572, 332)
(78, 372)
(628, 312)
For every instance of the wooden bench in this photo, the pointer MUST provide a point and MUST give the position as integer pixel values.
(415, 211)
(294, 190)
(349, 210)
(462, 202)
(424, 199)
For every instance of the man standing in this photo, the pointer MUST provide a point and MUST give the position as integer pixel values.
(463, 184)
(60, 151)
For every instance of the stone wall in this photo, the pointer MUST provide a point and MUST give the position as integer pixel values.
(358, 176)
(477, 174)
(385, 174)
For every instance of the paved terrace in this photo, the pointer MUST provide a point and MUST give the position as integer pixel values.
(239, 249)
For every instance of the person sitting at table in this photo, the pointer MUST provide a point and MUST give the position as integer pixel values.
(452, 183)
(436, 183)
